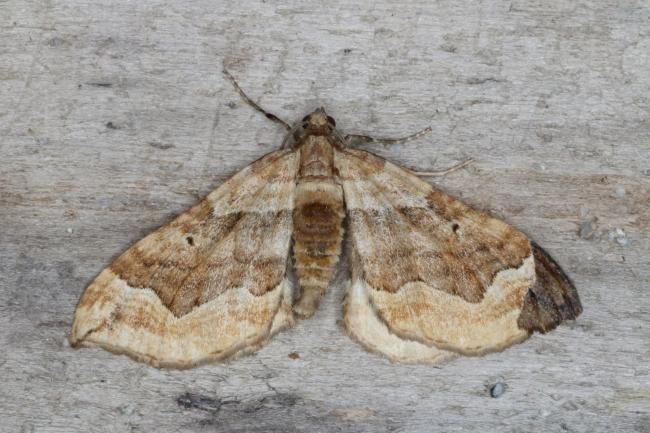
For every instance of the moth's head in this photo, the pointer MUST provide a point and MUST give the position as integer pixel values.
(318, 122)
(315, 123)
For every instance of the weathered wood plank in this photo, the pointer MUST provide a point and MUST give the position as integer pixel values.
(114, 117)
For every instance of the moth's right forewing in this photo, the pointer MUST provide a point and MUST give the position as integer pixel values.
(431, 269)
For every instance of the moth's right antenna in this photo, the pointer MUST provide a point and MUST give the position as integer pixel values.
(386, 141)
(350, 138)
(444, 172)
(250, 102)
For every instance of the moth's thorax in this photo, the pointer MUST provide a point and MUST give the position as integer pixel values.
(316, 157)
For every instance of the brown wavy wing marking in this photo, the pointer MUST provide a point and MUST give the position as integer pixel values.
(206, 286)
(433, 270)
(237, 236)
(552, 299)
(408, 231)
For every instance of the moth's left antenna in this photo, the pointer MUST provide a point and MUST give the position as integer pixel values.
(250, 102)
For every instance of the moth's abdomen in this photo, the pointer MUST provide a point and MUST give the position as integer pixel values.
(317, 225)
(317, 231)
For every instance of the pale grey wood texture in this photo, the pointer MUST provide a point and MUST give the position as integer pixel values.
(114, 117)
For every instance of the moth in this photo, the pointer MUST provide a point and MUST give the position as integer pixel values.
(431, 278)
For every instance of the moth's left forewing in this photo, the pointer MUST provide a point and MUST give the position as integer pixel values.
(209, 285)
(435, 271)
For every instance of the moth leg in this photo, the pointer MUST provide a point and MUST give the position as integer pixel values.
(386, 141)
(250, 102)
(441, 172)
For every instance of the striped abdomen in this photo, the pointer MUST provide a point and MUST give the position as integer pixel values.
(317, 223)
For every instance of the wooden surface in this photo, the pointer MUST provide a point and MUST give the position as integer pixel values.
(114, 116)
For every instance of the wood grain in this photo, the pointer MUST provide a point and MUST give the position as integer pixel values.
(114, 117)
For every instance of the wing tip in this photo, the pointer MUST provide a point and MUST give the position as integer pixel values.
(552, 300)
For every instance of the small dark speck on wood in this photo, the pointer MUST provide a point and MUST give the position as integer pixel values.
(162, 146)
(449, 48)
(200, 402)
(294, 355)
(586, 230)
(497, 389)
(480, 80)
(278, 400)
(111, 125)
